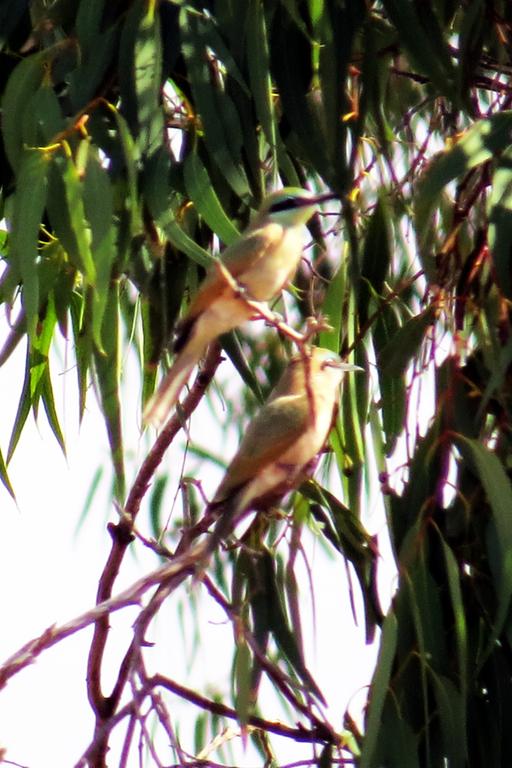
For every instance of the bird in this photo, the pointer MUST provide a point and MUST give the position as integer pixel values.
(281, 445)
(258, 266)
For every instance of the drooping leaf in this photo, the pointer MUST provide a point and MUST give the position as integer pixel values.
(162, 203)
(200, 190)
(29, 203)
(4, 478)
(280, 630)
(332, 309)
(242, 680)
(480, 143)
(376, 258)
(258, 61)
(222, 129)
(422, 36)
(499, 208)
(98, 208)
(397, 354)
(22, 84)
(379, 690)
(148, 74)
(67, 213)
(452, 717)
(498, 489)
(108, 372)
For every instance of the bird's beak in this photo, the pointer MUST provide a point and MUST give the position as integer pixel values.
(344, 366)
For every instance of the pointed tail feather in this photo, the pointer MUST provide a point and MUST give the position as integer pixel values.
(163, 401)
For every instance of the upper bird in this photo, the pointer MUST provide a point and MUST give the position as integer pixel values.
(280, 447)
(261, 262)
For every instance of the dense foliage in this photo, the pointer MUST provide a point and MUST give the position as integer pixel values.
(135, 137)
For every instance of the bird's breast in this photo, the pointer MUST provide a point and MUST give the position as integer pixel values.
(270, 273)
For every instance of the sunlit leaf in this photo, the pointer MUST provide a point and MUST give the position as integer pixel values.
(201, 192)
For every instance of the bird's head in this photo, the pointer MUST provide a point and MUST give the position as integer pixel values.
(327, 365)
(292, 206)
(322, 368)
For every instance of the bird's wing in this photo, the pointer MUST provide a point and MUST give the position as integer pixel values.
(278, 425)
(237, 258)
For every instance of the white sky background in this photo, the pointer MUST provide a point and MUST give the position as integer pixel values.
(49, 574)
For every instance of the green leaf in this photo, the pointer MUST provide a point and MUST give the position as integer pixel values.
(67, 214)
(80, 311)
(97, 49)
(161, 201)
(484, 140)
(452, 718)
(278, 625)
(459, 617)
(22, 411)
(379, 690)
(471, 39)
(396, 356)
(4, 477)
(498, 489)
(108, 372)
(376, 258)
(425, 608)
(499, 210)
(392, 387)
(258, 62)
(222, 129)
(148, 77)
(291, 69)
(131, 159)
(98, 208)
(425, 42)
(332, 309)
(155, 505)
(398, 744)
(29, 203)
(22, 84)
(242, 681)
(44, 119)
(201, 192)
(50, 409)
(91, 493)
(233, 348)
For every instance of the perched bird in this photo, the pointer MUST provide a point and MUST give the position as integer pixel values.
(260, 264)
(281, 445)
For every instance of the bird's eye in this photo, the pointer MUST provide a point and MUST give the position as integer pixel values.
(330, 362)
(286, 204)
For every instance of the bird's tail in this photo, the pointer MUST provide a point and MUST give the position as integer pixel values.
(163, 401)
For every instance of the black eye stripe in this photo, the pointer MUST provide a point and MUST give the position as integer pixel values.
(287, 203)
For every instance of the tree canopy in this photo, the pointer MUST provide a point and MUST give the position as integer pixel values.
(136, 138)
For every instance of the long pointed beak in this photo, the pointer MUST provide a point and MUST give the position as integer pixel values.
(344, 366)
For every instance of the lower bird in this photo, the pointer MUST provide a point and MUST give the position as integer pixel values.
(281, 445)
(259, 265)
